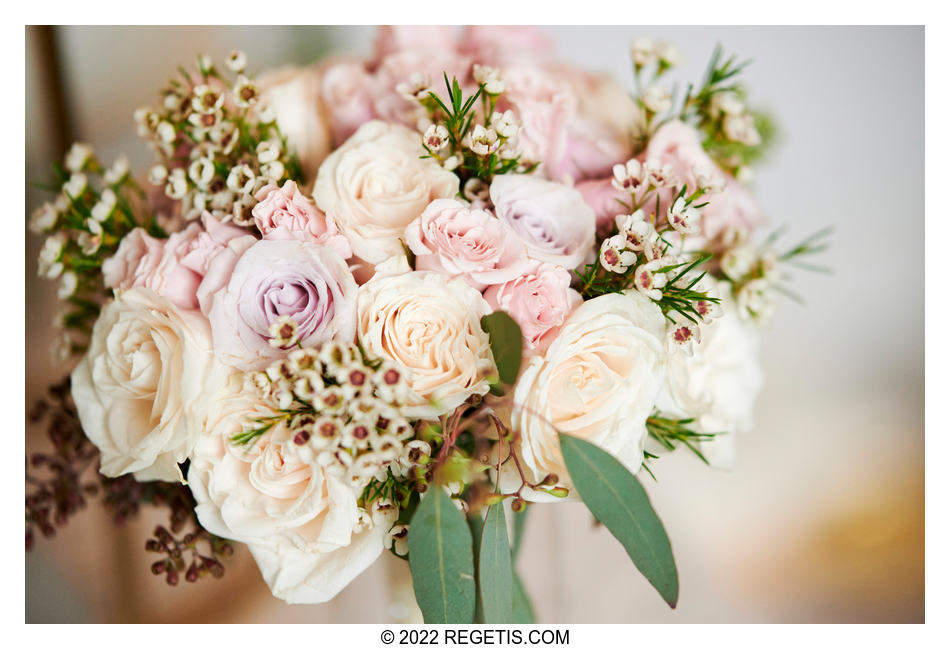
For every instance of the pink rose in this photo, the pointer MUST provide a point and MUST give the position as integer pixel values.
(539, 301)
(603, 198)
(286, 213)
(734, 207)
(247, 290)
(347, 90)
(135, 260)
(213, 239)
(591, 152)
(391, 39)
(143, 260)
(501, 45)
(462, 240)
(399, 68)
(545, 105)
(678, 144)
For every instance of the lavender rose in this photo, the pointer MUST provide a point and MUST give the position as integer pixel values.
(554, 221)
(247, 291)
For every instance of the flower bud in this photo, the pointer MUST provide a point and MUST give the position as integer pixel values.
(518, 505)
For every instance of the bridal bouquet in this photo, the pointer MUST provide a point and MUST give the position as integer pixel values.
(387, 305)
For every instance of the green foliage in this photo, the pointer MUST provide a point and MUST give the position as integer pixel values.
(458, 116)
(699, 109)
(506, 343)
(495, 580)
(441, 560)
(670, 433)
(522, 612)
(617, 499)
(595, 281)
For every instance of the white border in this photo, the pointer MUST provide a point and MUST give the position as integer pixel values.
(489, 11)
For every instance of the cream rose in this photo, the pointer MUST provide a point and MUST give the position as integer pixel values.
(294, 95)
(300, 520)
(374, 185)
(719, 384)
(429, 324)
(598, 381)
(141, 388)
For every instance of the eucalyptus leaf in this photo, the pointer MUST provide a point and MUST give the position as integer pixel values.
(494, 567)
(618, 500)
(504, 335)
(475, 524)
(520, 518)
(441, 561)
(521, 610)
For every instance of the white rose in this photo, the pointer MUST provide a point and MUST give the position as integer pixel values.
(300, 520)
(598, 381)
(719, 384)
(374, 185)
(429, 324)
(294, 96)
(553, 221)
(140, 389)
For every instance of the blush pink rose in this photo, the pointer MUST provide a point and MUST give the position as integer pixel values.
(591, 151)
(160, 265)
(135, 260)
(209, 242)
(679, 144)
(545, 105)
(348, 93)
(400, 67)
(734, 207)
(391, 39)
(539, 301)
(500, 45)
(604, 199)
(285, 213)
(461, 240)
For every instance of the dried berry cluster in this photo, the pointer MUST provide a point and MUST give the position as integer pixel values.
(67, 482)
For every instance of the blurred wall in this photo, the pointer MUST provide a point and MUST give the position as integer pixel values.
(822, 521)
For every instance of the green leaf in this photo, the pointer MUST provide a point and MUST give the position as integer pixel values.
(505, 337)
(441, 562)
(617, 499)
(521, 610)
(494, 568)
(520, 519)
(475, 524)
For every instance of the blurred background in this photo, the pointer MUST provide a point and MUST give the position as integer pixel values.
(823, 518)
